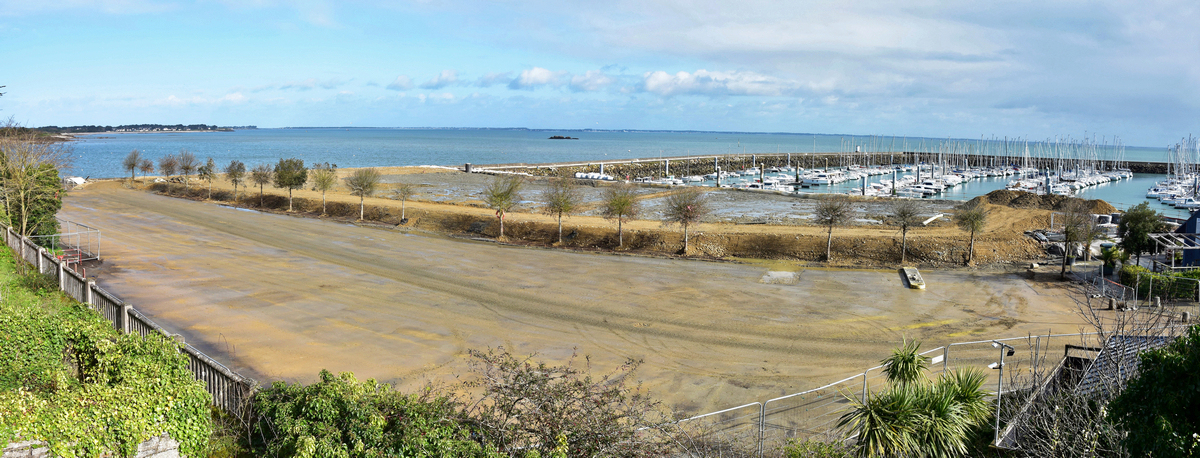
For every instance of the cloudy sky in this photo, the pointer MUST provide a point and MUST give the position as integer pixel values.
(924, 68)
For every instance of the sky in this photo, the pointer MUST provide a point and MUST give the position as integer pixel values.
(1034, 69)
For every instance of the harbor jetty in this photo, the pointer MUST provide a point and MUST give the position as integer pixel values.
(700, 165)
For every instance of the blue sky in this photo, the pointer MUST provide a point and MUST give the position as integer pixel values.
(923, 68)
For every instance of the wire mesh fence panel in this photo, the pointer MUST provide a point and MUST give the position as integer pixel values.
(1104, 289)
(812, 414)
(731, 433)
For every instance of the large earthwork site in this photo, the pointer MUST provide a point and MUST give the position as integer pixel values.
(277, 296)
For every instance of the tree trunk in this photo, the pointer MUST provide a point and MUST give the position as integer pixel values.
(903, 246)
(289, 199)
(560, 228)
(403, 202)
(260, 197)
(971, 249)
(210, 190)
(362, 207)
(685, 239)
(829, 246)
(501, 216)
(620, 234)
(1066, 252)
(322, 203)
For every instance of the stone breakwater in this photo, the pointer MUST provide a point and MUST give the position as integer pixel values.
(702, 165)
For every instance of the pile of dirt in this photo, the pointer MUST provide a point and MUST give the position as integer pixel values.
(1022, 199)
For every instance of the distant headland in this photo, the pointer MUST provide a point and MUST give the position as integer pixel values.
(136, 128)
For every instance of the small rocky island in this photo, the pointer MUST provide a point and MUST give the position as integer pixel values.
(560, 137)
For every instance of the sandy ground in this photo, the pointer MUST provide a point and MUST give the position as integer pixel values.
(281, 297)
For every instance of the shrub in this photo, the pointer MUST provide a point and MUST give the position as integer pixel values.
(69, 379)
(340, 416)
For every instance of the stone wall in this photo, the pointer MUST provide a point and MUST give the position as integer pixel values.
(156, 447)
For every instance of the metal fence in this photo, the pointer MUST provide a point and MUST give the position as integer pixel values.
(229, 390)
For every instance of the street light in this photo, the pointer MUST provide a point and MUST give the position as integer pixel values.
(1000, 381)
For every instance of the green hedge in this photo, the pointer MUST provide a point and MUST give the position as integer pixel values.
(69, 379)
(1175, 285)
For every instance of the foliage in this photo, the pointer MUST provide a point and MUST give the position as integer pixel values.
(68, 379)
(972, 219)
(796, 448)
(324, 178)
(1160, 407)
(1137, 223)
(290, 174)
(685, 207)
(187, 166)
(1077, 228)
(1112, 255)
(906, 214)
(502, 194)
(131, 163)
(915, 417)
(829, 213)
(29, 175)
(620, 203)
(531, 406)
(235, 172)
(261, 175)
(562, 197)
(362, 183)
(1167, 285)
(1069, 424)
(342, 417)
(905, 366)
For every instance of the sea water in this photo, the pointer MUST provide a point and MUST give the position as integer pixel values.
(100, 155)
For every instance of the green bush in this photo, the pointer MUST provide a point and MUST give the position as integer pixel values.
(1160, 408)
(342, 417)
(796, 448)
(69, 379)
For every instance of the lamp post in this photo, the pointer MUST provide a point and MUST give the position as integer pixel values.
(1000, 381)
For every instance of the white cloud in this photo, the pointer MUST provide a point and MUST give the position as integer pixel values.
(445, 78)
(312, 83)
(235, 97)
(536, 76)
(704, 82)
(590, 81)
(402, 83)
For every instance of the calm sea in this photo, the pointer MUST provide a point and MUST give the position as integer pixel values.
(99, 156)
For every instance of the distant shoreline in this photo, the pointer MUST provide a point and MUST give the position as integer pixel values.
(75, 134)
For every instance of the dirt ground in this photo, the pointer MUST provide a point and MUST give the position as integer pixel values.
(276, 296)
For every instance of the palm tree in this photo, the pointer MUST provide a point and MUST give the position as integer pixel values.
(502, 195)
(905, 366)
(146, 166)
(829, 213)
(363, 183)
(404, 191)
(905, 213)
(620, 203)
(972, 219)
(562, 198)
(685, 207)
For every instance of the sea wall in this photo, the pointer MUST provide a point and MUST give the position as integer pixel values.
(700, 165)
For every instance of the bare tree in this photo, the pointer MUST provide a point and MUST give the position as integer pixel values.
(685, 207)
(168, 165)
(906, 214)
(404, 191)
(971, 219)
(620, 203)
(146, 166)
(1077, 228)
(831, 212)
(235, 172)
(324, 178)
(261, 175)
(362, 183)
(502, 194)
(131, 163)
(187, 166)
(208, 173)
(562, 198)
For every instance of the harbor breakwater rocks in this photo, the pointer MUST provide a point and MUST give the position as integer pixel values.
(702, 165)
